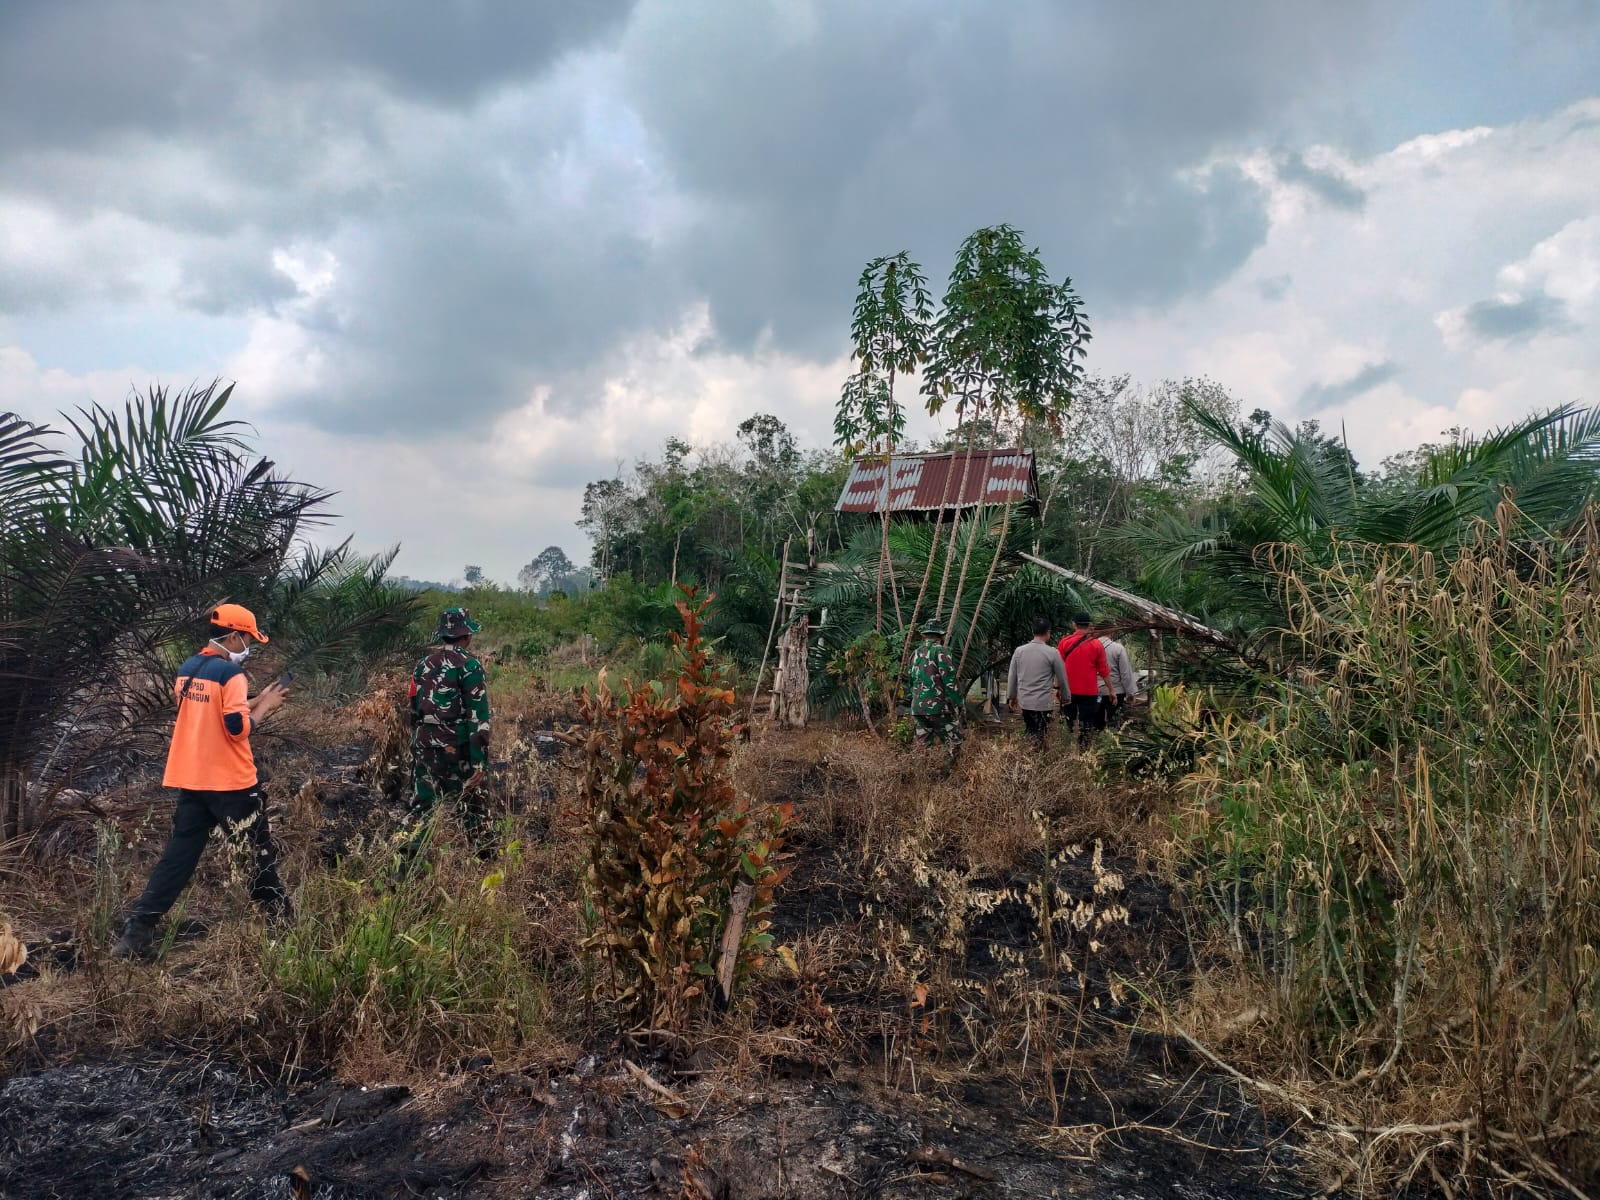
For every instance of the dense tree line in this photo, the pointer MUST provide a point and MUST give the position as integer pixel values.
(702, 514)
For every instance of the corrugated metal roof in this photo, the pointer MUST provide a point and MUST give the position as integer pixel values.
(924, 483)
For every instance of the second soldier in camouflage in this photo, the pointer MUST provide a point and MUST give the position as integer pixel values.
(450, 727)
(935, 695)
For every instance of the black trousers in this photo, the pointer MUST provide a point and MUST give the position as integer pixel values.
(1037, 722)
(241, 814)
(1088, 714)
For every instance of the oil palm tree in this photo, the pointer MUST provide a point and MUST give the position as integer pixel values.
(335, 612)
(1294, 497)
(110, 554)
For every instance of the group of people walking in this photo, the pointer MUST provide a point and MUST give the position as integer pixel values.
(210, 763)
(212, 766)
(1087, 676)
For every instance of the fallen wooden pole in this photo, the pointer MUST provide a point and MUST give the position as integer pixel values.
(1170, 617)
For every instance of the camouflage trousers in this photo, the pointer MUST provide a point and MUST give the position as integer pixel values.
(944, 730)
(440, 773)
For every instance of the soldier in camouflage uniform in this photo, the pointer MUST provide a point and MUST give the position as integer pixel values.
(935, 697)
(450, 728)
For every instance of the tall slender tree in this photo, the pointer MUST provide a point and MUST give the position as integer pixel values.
(1008, 349)
(890, 330)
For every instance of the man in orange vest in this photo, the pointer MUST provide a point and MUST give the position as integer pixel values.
(210, 763)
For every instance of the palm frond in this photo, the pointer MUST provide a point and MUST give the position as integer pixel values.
(153, 461)
(32, 473)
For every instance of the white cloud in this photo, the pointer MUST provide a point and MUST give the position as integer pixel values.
(1565, 266)
(1455, 227)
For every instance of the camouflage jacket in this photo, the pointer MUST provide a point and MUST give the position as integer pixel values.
(933, 682)
(450, 702)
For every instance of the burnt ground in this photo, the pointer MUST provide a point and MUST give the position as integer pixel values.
(815, 1118)
(180, 1126)
(841, 1087)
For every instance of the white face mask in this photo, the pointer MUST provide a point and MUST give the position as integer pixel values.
(234, 656)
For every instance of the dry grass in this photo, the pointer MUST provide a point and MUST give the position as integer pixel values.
(235, 989)
(994, 936)
(982, 815)
(1402, 860)
(980, 931)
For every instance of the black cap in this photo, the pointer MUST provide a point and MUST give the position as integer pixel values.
(1080, 618)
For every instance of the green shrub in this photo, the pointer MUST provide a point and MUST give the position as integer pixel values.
(429, 964)
(1168, 744)
(533, 646)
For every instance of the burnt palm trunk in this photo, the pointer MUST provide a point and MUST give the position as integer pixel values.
(13, 800)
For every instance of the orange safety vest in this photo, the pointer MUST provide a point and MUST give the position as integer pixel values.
(210, 750)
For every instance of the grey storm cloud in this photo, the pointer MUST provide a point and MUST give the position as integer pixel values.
(512, 192)
(1325, 395)
(82, 72)
(1328, 186)
(1517, 320)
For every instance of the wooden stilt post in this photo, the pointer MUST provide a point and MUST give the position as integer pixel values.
(791, 686)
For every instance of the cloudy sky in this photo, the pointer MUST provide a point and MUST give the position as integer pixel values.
(463, 256)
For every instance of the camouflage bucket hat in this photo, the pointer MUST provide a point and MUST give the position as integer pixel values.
(455, 623)
(933, 627)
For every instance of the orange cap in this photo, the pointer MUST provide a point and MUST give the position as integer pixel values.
(238, 618)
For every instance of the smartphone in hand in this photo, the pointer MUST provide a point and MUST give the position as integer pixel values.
(285, 679)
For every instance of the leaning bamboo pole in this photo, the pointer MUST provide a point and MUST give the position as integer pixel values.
(966, 555)
(955, 524)
(1149, 609)
(909, 631)
(777, 609)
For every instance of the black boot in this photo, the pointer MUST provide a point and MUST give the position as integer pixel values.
(138, 941)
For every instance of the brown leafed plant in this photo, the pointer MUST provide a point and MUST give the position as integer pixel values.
(682, 867)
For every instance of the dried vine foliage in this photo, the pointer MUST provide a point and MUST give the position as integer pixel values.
(677, 857)
(1405, 852)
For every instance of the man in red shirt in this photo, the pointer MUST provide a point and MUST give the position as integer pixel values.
(210, 764)
(1085, 660)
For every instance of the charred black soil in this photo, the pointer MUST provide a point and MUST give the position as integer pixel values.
(924, 1039)
(181, 1125)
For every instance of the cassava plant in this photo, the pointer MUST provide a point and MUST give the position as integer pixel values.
(1009, 348)
(890, 330)
(682, 867)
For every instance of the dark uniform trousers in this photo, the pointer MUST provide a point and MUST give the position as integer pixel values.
(243, 816)
(1088, 714)
(1037, 722)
